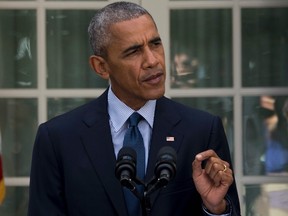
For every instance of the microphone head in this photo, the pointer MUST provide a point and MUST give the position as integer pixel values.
(127, 152)
(167, 152)
(165, 168)
(126, 164)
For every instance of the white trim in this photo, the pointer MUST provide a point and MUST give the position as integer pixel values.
(160, 10)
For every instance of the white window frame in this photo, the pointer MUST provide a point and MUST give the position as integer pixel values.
(160, 11)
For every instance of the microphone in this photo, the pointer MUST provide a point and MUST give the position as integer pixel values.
(165, 167)
(125, 169)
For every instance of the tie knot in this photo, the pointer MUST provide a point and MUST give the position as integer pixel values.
(134, 119)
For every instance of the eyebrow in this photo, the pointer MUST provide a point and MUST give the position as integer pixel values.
(156, 39)
(131, 48)
(137, 46)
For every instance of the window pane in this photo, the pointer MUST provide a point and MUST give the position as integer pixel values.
(222, 107)
(18, 49)
(75, 0)
(201, 48)
(68, 50)
(57, 106)
(18, 124)
(200, 0)
(17, 0)
(265, 144)
(265, 47)
(266, 199)
(16, 202)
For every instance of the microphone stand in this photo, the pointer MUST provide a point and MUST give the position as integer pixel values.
(152, 186)
(144, 199)
(165, 170)
(146, 204)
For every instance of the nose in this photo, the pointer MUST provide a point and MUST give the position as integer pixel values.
(150, 59)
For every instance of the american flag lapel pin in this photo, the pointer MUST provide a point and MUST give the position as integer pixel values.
(170, 139)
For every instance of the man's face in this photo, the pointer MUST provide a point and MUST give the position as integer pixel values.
(136, 61)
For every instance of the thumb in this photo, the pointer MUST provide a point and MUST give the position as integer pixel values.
(196, 165)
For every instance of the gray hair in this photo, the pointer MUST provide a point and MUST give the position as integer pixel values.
(98, 30)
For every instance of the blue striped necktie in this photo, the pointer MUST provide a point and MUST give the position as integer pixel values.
(134, 139)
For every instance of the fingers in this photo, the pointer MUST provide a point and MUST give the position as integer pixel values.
(218, 170)
(215, 165)
(219, 174)
(206, 154)
(196, 165)
(197, 168)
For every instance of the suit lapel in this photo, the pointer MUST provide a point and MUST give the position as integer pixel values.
(98, 143)
(164, 133)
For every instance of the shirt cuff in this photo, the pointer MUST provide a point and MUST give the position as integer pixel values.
(228, 211)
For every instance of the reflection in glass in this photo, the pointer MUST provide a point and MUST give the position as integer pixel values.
(18, 124)
(265, 129)
(16, 202)
(201, 48)
(18, 49)
(57, 106)
(68, 50)
(222, 107)
(265, 47)
(266, 200)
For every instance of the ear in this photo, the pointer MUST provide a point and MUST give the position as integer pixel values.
(99, 65)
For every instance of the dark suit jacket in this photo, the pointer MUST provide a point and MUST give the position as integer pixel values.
(73, 162)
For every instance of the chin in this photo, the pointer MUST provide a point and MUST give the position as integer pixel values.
(156, 94)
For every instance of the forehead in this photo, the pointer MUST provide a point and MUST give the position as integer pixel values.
(135, 30)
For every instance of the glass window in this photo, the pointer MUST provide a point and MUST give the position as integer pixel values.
(18, 124)
(16, 202)
(222, 107)
(75, 0)
(197, 0)
(266, 199)
(265, 129)
(265, 47)
(17, 0)
(18, 55)
(200, 33)
(68, 50)
(201, 48)
(57, 106)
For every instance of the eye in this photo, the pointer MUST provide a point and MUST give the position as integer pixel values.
(156, 43)
(159, 42)
(133, 51)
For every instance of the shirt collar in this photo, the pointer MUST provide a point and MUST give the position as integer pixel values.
(119, 112)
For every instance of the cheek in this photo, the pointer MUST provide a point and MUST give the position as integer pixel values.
(162, 61)
(127, 78)
(131, 74)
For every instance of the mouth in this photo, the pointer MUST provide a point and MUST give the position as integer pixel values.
(154, 79)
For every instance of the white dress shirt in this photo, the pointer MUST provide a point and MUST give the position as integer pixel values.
(119, 113)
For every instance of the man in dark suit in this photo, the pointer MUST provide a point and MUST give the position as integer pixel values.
(74, 155)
